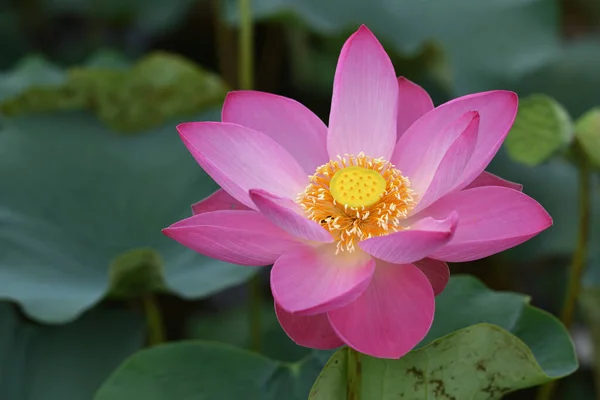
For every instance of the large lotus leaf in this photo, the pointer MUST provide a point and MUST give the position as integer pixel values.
(82, 206)
(204, 370)
(67, 362)
(484, 40)
(482, 345)
(76, 196)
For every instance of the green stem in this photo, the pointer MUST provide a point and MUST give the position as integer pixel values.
(154, 320)
(246, 46)
(255, 309)
(225, 42)
(579, 257)
(354, 375)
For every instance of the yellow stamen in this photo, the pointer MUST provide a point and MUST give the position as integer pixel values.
(356, 198)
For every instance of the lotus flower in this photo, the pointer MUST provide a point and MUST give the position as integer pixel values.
(358, 218)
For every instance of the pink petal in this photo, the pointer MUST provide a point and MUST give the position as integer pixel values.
(284, 120)
(219, 200)
(240, 159)
(239, 237)
(423, 238)
(487, 179)
(436, 271)
(312, 331)
(492, 219)
(365, 99)
(286, 214)
(391, 317)
(437, 176)
(422, 164)
(413, 102)
(497, 111)
(313, 280)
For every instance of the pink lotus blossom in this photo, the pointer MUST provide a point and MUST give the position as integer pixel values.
(358, 218)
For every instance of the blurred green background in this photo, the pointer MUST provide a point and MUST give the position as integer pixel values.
(91, 167)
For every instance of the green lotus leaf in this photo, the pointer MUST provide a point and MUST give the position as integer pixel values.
(196, 369)
(67, 362)
(81, 203)
(482, 345)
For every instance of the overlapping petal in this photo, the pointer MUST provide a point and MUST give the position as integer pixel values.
(391, 316)
(365, 99)
(289, 123)
(421, 164)
(497, 111)
(492, 219)
(240, 237)
(413, 103)
(240, 159)
(488, 179)
(312, 331)
(219, 200)
(407, 246)
(313, 280)
(442, 166)
(286, 214)
(436, 271)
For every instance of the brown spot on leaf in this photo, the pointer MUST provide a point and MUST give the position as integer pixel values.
(419, 375)
(481, 366)
(440, 390)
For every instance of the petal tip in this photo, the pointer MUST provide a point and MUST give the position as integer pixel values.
(472, 116)
(511, 96)
(544, 218)
(231, 94)
(548, 221)
(402, 80)
(364, 28)
(230, 98)
(182, 128)
(168, 232)
(185, 129)
(363, 32)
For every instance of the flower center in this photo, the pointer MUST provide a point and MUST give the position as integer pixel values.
(356, 198)
(357, 186)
